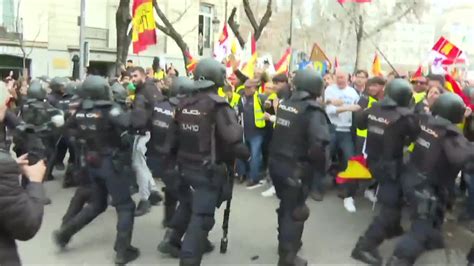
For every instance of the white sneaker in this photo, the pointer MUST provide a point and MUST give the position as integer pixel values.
(370, 195)
(269, 192)
(349, 205)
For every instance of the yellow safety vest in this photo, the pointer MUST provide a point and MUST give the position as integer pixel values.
(239, 88)
(259, 114)
(221, 92)
(419, 96)
(363, 132)
(159, 75)
(234, 100)
(272, 96)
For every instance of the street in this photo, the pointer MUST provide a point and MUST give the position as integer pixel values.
(330, 234)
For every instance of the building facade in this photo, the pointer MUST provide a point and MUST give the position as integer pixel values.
(44, 35)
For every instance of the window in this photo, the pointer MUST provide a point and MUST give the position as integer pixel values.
(8, 15)
(205, 29)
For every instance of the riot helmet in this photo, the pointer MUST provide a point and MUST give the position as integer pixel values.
(310, 81)
(71, 88)
(449, 106)
(181, 86)
(36, 91)
(96, 88)
(119, 92)
(58, 84)
(400, 91)
(209, 73)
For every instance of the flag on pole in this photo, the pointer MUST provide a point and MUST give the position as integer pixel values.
(192, 62)
(418, 73)
(317, 54)
(222, 48)
(376, 66)
(249, 57)
(356, 169)
(143, 25)
(355, 1)
(452, 86)
(283, 65)
(445, 52)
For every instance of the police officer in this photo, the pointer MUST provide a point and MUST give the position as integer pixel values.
(100, 124)
(390, 125)
(440, 152)
(208, 136)
(299, 147)
(36, 135)
(58, 89)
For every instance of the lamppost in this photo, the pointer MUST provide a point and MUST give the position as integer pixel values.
(82, 39)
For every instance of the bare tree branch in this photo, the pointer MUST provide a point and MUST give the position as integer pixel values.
(181, 14)
(390, 22)
(234, 27)
(250, 15)
(189, 31)
(170, 31)
(264, 21)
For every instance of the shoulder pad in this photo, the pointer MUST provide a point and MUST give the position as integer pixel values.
(102, 103)
(115, 110)
(453, 130)
(315, 105)
(174, 101)
(404, 111)
(218, 99)
(87, 104)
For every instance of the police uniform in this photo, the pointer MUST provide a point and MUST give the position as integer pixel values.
(208, 136)
(299, 147)
(100, 125)
(440, 152)
(389, 124)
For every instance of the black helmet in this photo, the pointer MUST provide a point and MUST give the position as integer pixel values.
(36, 91)
(209, 73)
(119, 92)
(400, 91)
(96, 88)
(71, 88)
(58, 84)
(181, 86)
(449, 106)
(308, 80)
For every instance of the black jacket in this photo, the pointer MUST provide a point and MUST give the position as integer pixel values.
(146, 95)
(21, 210)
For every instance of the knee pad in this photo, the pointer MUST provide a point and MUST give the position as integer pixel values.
(207, 223)
(301, 213)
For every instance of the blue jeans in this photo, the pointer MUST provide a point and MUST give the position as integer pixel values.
(344, 142)
(252, 170)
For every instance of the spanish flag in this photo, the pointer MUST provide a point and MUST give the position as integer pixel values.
(250, 52)
(452, 86)
(143, 21)
(376, 66)
(191, 62)
(283, 65)
(356, 169)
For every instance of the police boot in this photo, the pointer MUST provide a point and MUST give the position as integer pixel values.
(362, 252)
(190, 262)
(155, 198)
(125, 252)
(288, 256)
(171, 243)
(169, 210)
(208, 246)
(395, 261)
(68, 180)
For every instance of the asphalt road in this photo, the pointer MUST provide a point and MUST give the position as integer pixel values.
(330, 234)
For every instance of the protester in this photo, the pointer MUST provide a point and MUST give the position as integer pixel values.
(361, 77)
(424, 107)
(436, 80)
(250, 109)
(341, 100)
(145, 96)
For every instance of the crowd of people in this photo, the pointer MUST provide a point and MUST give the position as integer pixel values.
(152, 123)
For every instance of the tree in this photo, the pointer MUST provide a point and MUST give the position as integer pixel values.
(168, 29)
(124, 34)
(257, 27)
(21, 40)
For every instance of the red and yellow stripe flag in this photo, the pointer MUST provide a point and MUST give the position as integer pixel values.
(143, 23)
(356, 169)
(283, 65)
(376, 66)
(192, 62)
(452, 86)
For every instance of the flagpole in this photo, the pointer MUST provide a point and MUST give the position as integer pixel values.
(290, 40)
(82, 39)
